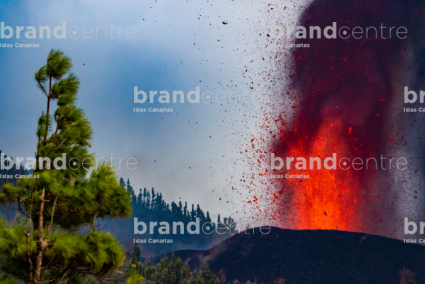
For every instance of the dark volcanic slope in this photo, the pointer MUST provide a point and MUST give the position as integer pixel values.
(314, 257)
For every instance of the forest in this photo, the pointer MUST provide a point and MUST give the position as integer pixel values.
(150, 206)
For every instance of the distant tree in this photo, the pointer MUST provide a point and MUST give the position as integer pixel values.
(135, 256)
(185, 213)
(200, 214)
(153, 200)
(177, 268)
(208, 276)
(147, 262)
(197, 278)
(163, 205)
(159, 202)
(129, 188)
(134, 278)
(193, 213)
(140, 268)
(164, 262)
(144, 194)
(139, 198)
(174, 208)
(185, 271)
(148, 200)
(180, 209)
(122, 182)
(175, 272)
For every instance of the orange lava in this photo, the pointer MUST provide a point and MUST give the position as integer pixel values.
(329, 199)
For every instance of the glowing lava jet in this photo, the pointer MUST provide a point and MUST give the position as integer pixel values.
(350, 102)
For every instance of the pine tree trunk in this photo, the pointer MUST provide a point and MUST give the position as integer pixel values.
(41, 243)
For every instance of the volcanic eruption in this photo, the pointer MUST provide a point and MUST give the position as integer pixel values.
(348, 99)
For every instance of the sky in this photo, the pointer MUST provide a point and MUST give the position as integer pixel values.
(187, 155)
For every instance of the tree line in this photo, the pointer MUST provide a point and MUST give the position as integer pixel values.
(166, 271)
(148, 202)
(150, 206)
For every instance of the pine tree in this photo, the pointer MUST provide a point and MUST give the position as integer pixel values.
(185, 271)
(135, 256)
(139, 198)
(207, 274)
(174, 208)
(122, 182)
(159, 202)
(153, 200)
(180, 209)
(144, 194)
(178, 269)
(129, 188)
(185, 213)
(148, 200)
(200, 214)
(61, 200)
(193, 213)
(164, 206)
(148, 263)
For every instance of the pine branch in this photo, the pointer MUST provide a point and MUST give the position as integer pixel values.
(42, 88)
(48, 109)
(94, 220)
(56, 133)
(19, 207)
(49, 230)
(112, 268)
(38, 147)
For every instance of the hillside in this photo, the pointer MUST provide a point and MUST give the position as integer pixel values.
(319, 256)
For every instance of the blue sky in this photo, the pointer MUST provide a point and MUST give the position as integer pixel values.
(187, 154)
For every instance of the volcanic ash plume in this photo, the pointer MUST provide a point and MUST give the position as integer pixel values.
(345, 96)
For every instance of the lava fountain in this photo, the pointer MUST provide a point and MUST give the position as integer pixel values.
(347, 92)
